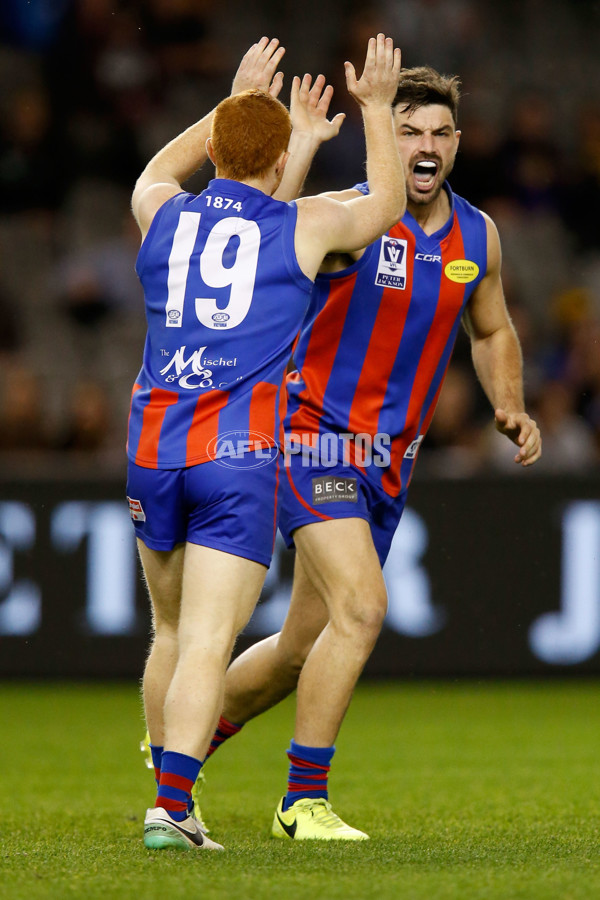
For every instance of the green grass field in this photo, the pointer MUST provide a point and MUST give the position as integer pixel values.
(468, 790)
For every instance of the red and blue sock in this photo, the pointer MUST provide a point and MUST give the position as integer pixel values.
(309, 769)
(177, 776)
(225, 730)
(156, 752)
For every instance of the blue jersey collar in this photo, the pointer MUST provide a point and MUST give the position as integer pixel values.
(409, 220)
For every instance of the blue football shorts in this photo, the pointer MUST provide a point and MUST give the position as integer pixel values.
(314, 493)
(229, 507)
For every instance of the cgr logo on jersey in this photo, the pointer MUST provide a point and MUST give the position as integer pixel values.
(428, 257)
(391, 268)
(193, 373)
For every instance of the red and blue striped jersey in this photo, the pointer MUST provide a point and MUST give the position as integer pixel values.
(377, 340)
(225, 298)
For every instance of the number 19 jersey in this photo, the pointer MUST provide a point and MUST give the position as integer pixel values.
(225, 298)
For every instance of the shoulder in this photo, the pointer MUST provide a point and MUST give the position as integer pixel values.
(312, 209)
(481, 229)
(494, 251)
(147, 203)
(464, 208)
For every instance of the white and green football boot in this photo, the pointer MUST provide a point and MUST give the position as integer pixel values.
(196, 790)
(310, 819)
(161, 832)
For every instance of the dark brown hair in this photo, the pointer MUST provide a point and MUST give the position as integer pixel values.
(249, 132)
(423, 86)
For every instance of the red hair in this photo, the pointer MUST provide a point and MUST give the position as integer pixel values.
(249, 132)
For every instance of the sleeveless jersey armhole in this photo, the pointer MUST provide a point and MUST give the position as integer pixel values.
(484, 243)
(288, 247)
(158, 216)
(474, 227)
(480, 240)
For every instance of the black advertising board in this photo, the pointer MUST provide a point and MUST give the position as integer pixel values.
(485, 578)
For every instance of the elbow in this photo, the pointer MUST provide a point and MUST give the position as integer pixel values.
(397, 213)
(398, 202)
(393, 212)
(379, 212)
(395, 205)
(141, 184)
(136, 194)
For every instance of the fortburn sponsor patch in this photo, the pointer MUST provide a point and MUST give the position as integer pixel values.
(461, 271)
(328, 489)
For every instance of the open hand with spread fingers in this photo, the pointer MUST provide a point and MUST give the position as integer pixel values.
(379, 80)
(524, 432)
(309, 105)
(258, 68)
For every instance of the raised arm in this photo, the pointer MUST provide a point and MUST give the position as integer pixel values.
(178, 160)
(326, 224)
(309, 105)
(497, 356)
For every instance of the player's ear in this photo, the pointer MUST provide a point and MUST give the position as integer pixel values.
(458, 134)
(281, 163)
(210, 151)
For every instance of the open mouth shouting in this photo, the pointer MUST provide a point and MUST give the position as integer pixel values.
(424, 174)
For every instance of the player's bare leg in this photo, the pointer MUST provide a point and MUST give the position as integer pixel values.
(163, 571)
(201, 600)
(219, 593)
(339, 558)
(268, 671)
(348, 582)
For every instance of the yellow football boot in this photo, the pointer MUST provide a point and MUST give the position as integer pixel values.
(310, 819)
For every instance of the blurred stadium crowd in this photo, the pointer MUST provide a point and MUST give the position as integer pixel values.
(90, 89)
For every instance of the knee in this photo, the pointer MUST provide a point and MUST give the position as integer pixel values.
(360, 612)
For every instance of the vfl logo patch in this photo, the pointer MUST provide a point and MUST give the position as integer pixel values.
(391, 268)
(136, 510)
(461, 271)
(328, 489)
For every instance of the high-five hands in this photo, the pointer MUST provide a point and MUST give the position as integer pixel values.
(379, 80)
(258, 68)
(309, 105)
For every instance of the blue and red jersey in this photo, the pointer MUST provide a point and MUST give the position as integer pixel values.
(225, 298)
(377, 340)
